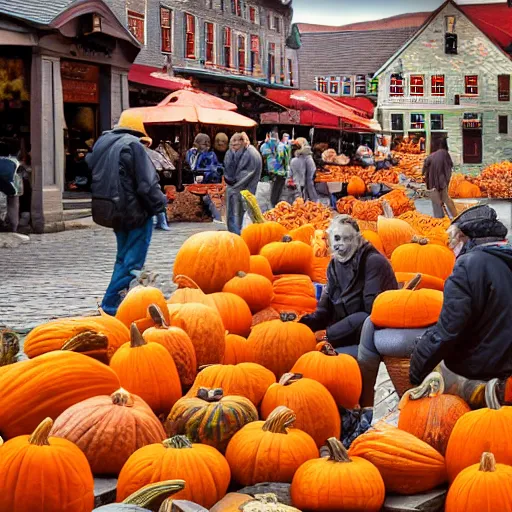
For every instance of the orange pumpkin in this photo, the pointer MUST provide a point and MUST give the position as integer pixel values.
(211, 259)
(316, 410)
(257, 291)
(44, 474)
(431, 282)
(339, 373)
(393, 233)
(467, 190)
(294, 293)
(269, 451)
(430, 415)
(257, 235)
(148, 370)
(188, 291)
(108, 429)
(356, 186)
(374, 239)
(318, 272)
(238, 350)
(338, 482)
(260, 265)
(304, 233)
(407, 464)
(265, 315)
(278, 344)
(288, 257)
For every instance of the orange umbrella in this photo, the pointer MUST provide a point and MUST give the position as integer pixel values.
(195, 98)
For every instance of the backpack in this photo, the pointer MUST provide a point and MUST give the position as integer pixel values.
(11, 183)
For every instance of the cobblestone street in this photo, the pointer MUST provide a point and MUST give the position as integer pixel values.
(66, 274)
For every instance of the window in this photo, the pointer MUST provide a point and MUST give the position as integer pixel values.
(241, 53)
(346, 85)
(209, 4)
(397, 122)
(321, 84)
(271, 60)
(227, 47)
(222, 6)
(165, 29)
(472, 146)
(436, 122)
(450, 44)
(503, 124)
(136, 25)
(334, 85)
(437, 85)
(255, 52)
(236, 7)
(252, 14)
(277, 24)
(472, 84)
(190, 37)
(417, 86)
(360, 84)
(209, 34)
(281, 76)
(271, 21)
(503, 87)
(396, 87)
(417, 121)
(290, 72)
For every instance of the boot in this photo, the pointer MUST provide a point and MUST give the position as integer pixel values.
(161, 222)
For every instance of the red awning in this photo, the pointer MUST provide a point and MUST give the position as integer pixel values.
(154, 77)
(362, 106)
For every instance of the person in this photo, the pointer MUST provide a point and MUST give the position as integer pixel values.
(303, 169)
(202, 159)
(220, 146)
(356, 274)
(364, 156)
(473, 336)
(242, 171)
(277, 159)
(11, 184)
(125, 196)
(437, 171)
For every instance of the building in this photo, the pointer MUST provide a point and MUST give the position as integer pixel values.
(452, 79)
(64, 79)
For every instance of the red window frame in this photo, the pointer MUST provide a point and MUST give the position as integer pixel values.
(228, 55)
(255, 51)
(252, 14)
(417, 85)
(334, 86)
(396, 85)
(136, 25)
(471, 82)
(209, 36)
(503, 87)
(166, 29)
(236, 7)
(190, 37)
(437, 85)
(241, 52)
(321, 84)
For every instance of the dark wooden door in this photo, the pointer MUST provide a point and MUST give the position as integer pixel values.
(472, 146)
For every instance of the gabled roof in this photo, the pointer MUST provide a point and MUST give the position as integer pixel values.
(41, 12)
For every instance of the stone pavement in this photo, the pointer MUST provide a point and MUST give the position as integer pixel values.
(66, 274)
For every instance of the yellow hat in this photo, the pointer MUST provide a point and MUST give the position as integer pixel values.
(132, 121)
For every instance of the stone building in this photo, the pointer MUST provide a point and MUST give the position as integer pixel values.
(452, 79)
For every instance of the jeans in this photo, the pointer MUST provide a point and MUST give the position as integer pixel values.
(277, 190)
(234, 210)
(13, 212)
(132, 249)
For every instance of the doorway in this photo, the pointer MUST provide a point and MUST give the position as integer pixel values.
(472, 146)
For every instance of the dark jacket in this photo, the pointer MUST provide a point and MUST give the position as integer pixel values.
(437, 170)
(349, 295)
(474, 332)
(125, 189)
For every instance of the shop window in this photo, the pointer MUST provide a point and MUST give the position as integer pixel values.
(227, 47)
(290, 72)
(503, 124)
(471, 84)
(396, 87)
(236, 7)
(321, 84)
(252, 14)
(136, 25)
(417, 86)
(209, 33)
(334, 86)
(166, 29)
(346, 85)
(397, 122)
(436, 122)
(417, 121)
(271, 61)
(255, 52)
(360, 84)
(241, 53)
(437, 85)
(503, 87)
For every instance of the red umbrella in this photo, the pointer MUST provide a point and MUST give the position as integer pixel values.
(195, 98)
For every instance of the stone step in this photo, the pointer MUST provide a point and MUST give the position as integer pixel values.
(77, 214)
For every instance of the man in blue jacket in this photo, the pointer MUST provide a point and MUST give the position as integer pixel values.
(125, 197)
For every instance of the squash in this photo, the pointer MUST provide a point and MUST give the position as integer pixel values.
(260, 265)
(356, 187)
(304, 233)
(257, 291)
(294, 293)
(393, 233)
(238, 350)
(374, 239)
(234, 502)
(288, 257)
(265, 315)
(430, 282)
(257, 235)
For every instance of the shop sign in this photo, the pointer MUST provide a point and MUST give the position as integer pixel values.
(80, 82)
(269, 118)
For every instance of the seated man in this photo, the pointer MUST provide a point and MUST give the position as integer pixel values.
(202, 159)
(474, 333)
(356, 274)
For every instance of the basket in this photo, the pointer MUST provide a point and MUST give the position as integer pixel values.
(463, 204)
(398, 370)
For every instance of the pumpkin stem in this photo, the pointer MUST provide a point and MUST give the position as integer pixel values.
(152, 495)
(157, 316)
(487, 463)
(1, 441)
(204, 366)
(287, 239)
(387, 210)
(337, 451)
(290, 378)
(177, 442)
(288, 317)
(491, 395)
(122, 397)
(432, 386)
(421, 240)
(328, 349)
(86, 341)
(9, 347)
(279, 420)
(241, 274)
(413, 283)
(186, 282)
(210, 395)
(136, 339)
(40, 435)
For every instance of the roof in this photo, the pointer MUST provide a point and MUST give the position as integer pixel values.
(415, 19)
(41, 12)
(360, 104)
(153, 77)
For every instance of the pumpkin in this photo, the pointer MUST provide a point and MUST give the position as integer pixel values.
(204, 327)
(257, 291)
(467, 190)
(318, 271)
(407, 464)
(260, 265)
(257, 235)
(374, 239)
(245, 379)
(234, 500)
(46, 386)
(108, 429)
(408, 307)
(148, 370)
(338, 482)
(210, 417)
(65, 333)
(483, 487)
(288, 257)
(238, 350)
(178, 344)
(428, 414)
(265, 315)
(315, 408)
(304, 233)
(44, 474)
(211, 259)
(202, 467)
(188, 291)
(488, 429)
(356, 186)
(294, 293)
(431, 282)
(269, 451)
(422, 257)
(339, 373)
(393, 233)
(277, 344)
